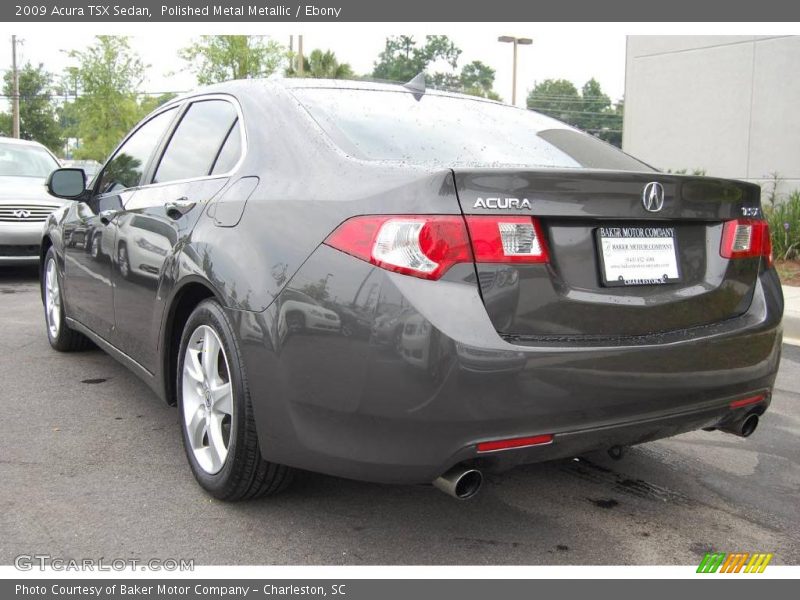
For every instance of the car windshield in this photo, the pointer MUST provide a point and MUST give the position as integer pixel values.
(439, 129)
(21, 160)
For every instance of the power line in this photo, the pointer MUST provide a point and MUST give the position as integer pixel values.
(57, 94)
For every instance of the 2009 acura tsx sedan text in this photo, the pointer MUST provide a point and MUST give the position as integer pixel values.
(398, 285)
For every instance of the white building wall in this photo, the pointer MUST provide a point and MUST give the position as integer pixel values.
(727, 104)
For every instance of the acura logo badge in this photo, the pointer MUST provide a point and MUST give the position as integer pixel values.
(22, 214)
(653, 197)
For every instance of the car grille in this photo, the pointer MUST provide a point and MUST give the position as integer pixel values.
(25, 213)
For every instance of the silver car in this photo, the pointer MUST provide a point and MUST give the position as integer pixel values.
(24, 201)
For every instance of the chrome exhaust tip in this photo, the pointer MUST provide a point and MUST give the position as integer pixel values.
(459, 482)
(748, 425)
(743, 428)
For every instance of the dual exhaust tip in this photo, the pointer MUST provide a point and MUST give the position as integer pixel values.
(463, 483)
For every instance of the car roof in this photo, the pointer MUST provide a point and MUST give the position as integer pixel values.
(299, 83)
(10, 140)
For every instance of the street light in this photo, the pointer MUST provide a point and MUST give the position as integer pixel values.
(516, 41)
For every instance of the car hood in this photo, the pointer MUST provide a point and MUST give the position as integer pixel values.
(30, 189)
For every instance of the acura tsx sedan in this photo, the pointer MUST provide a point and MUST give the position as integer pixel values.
(522, 291)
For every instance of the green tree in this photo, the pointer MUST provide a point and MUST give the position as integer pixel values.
(589, 109)
(612, 129)
(557, 98)
(600, 117)
(106, 77)
(322, 65)
(218, 58)
(402, 58)
(38, 120)
(149, 103)
(477, 79)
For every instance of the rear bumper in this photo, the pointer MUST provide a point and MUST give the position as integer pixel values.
(353, 407)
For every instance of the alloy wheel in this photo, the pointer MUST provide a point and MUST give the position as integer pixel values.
(207, 399)
(52, 299)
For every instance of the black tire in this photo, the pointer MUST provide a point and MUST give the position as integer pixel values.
(63, 339)
(244, 474)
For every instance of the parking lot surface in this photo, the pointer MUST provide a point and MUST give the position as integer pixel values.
(91, 465)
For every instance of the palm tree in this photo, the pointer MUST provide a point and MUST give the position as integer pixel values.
(323, 65)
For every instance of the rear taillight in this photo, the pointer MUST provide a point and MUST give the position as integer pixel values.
(746, 238)
(422, 246)
(427, 246)
(507, 240)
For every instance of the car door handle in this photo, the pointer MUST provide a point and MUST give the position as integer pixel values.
(177, 208)
(106, 216)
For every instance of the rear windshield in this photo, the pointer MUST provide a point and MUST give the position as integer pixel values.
(444, 130)
(21, 160)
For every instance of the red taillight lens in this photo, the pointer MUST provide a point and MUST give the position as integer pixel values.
(427, 246)
(746, 238)
(423, 246)
(523, 442)
(507, 239)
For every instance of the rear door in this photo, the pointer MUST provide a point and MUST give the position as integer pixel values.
(630, 254)
(194, 165)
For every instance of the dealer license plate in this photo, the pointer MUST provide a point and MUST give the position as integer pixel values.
(638, 255)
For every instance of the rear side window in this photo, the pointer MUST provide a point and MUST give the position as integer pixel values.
(230, 152)
(125, 168)
(196, 143)
(447, 131)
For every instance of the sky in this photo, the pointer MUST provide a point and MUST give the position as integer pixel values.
(554, 54)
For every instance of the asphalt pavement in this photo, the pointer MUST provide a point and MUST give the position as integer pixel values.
(91, 466)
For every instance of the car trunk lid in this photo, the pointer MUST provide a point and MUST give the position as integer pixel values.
(594, 222)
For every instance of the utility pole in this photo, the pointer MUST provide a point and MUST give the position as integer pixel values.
(300, 61)
(14, 89)
(516, 41)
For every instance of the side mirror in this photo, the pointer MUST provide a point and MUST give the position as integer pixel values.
(67, 183)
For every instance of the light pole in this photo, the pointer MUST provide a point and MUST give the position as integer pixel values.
(14, 89)
(516, 41)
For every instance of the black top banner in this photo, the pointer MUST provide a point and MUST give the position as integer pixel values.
(401, 11)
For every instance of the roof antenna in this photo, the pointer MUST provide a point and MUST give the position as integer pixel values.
(416, 86)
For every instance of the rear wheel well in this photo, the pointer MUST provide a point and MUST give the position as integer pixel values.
(184, 303)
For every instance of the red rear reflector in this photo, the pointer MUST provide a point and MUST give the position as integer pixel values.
(536, 440)
(747, 401)
(746, 238)
(424, 246)
(509, 239)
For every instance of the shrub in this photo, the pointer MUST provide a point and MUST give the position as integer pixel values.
(784, 226)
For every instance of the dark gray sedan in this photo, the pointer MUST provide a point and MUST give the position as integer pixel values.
(399, 285)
